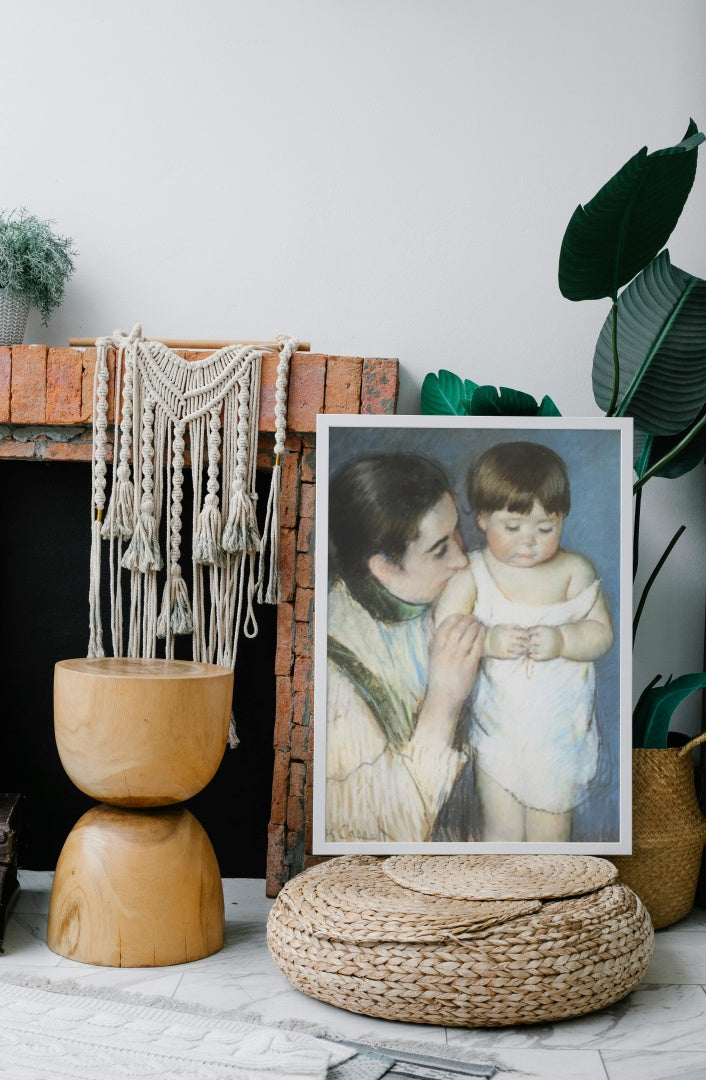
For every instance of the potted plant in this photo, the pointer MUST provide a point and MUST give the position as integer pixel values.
(650, 364)
(35, 264)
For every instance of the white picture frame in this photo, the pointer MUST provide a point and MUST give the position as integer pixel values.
(361, 806)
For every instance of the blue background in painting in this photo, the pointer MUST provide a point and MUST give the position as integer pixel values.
(592, 528)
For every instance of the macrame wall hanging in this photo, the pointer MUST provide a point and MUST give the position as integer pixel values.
(161, 401)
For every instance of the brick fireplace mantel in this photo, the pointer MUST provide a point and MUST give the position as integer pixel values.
(46, 399)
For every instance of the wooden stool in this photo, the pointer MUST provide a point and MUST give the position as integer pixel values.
(137, 886)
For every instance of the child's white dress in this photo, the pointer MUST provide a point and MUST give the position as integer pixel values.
(534, 729)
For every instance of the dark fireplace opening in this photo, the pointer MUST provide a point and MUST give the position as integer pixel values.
(44, 561)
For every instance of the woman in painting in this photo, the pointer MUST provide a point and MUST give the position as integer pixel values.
(396, 683)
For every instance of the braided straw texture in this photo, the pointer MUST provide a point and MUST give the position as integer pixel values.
(568, 958)
(668, 833)
(360, 903)
(501, 877)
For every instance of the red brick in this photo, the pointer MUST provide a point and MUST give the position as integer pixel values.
(275, 860)
(284, 653)
(301, 710)
(297, 779)
(305, 535)
(304, 605)
(289, 500)
(379, 387)
(87, 377)
(307, 500)
(283, 712)
(5, 373)
(307, 382)
(343, 381)
(305, 571)
(280, 785)
(306, 393)
(64, 378)
(308, 811)
(300, 739)
(308, 464)
(302, 674)
(28, 384)
(287, 562)
(303, 640)
(295, 815)
(88, 372)
(12, 448)
(54, 451)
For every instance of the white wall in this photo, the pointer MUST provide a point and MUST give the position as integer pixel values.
(381, 177)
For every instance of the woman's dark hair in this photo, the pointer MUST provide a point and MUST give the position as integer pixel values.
(514, 475)
(376, 504)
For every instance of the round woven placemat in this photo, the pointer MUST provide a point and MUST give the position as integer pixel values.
(360, 903)
(500, 877)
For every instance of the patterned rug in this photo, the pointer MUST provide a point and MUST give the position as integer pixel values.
(65, 1031)
(62, 1031)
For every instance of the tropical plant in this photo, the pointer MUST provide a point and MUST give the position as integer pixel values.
(650, 358)
(35, 263)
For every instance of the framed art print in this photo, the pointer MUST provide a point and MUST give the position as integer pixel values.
(472, 639)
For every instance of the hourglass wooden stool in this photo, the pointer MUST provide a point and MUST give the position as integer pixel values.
(137, 883)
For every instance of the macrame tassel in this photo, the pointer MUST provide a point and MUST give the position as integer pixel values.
(233, 739)
(120, 517)
(175, 614)
(143, 552)
(241, 532)
(95, 639)
(273, 592)
(208, 549)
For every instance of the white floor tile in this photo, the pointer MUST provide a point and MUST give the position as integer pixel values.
(676, 1065)
(660, 1027)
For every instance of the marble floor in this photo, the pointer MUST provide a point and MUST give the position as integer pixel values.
(658, 1033)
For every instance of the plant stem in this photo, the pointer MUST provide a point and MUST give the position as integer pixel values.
(669, 457)
(651, 579)
(636, 533)
(616, 366)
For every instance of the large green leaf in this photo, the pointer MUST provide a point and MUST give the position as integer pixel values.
(649, 450)
(661, 350)
(610, 239)
(446, 394)
(654, 711)
(502, 401)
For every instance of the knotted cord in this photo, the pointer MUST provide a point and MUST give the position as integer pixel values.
(163, 404)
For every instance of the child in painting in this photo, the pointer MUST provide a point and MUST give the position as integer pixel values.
(533, 730)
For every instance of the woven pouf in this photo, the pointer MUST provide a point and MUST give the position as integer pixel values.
(466, 941)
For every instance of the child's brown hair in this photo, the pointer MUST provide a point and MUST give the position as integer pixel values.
(513, 475)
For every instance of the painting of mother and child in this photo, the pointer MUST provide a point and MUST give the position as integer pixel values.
(472, 688)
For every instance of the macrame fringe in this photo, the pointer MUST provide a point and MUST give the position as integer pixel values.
(208, 543)
(95, 640)
(273, 593)
(120, 518)
(161, 401)
(175, 615)
(142, 553)
(241, 533)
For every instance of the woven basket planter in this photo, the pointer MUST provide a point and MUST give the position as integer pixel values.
(13, 318)
(668, 833)
(349, 934)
